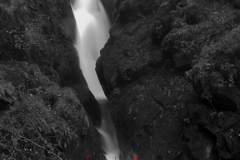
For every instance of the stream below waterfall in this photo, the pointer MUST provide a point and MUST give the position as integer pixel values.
(92, 33)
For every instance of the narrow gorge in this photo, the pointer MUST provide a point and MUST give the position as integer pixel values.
(145, 79)
(92, 33)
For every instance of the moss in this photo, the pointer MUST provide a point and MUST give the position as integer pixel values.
(42, 119)
(144, 67)
(40, 32)
(216, 70)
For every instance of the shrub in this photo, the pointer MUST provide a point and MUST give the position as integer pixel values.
(38, 119)
(217, 68)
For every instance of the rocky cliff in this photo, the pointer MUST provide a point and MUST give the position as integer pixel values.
(171, 72)
(46, 108)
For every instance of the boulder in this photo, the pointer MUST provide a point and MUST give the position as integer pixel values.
(41, 64)
(170, 72)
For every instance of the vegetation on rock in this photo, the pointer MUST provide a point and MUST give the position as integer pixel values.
(40, 116)
(171, 72)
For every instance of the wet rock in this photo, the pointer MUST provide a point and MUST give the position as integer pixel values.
(170, 72)
(42, 118)
(44, 38)
(38, 60)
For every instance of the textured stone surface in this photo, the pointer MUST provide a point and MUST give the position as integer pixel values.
(171, 70)
(38, 60)
(37, 112)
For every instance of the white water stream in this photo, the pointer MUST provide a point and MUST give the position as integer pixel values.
(92, 33)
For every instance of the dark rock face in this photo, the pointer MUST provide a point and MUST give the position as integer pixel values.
(171, 72)
(37, 32)
(36, 113)
(38, 60)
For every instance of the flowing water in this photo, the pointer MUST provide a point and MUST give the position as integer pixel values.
(92, 33)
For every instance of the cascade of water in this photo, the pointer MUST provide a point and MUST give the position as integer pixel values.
(92, 33)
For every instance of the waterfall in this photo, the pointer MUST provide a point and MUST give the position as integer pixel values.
(92, 33)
